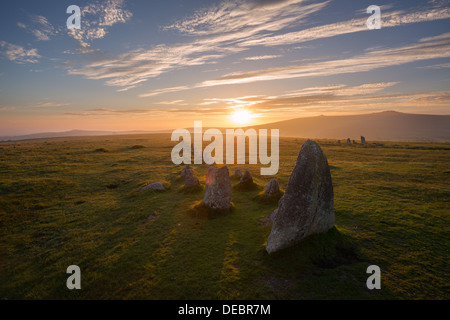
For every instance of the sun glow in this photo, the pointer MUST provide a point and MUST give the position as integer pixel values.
(242, 116)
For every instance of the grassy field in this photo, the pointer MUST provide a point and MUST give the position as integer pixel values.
(77, 201)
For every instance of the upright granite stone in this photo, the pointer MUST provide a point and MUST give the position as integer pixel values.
(247, 178)
(187, 171)
(218, 189)
(272, 189)
(190, 181)
(349, 142)
(363, 140)
(307, 206)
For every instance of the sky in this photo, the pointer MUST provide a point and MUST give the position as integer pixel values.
(158, 65)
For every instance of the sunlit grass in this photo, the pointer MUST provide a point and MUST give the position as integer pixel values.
(78, 201)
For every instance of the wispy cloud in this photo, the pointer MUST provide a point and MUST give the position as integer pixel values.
(343, 90)
(258, 58)
(372, 60)
(172, 102)
(337, 99)
(235, 16)
(341, 98)
(238, 20)
(438, 66)
(97, 17)
(19, 54)
(234, 26)
(36, 105)
(389, 20)
(40, 27)
(165, 90)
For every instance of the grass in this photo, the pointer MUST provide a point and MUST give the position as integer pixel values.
(63, 204)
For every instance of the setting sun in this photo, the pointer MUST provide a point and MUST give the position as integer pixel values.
(242, 116)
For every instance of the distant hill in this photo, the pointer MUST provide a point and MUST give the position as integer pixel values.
(382, 126)
(72, 133)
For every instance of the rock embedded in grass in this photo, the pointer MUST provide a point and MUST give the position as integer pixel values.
(218, 189)
(246, 182)
(191, 181)
(187, 171)
(154, 186)
(307, 206)
(238, 173)
(246, 178)
(272, 189)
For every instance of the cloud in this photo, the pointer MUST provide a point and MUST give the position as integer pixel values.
(266, 57)
(235, 26)
(42, 28)
(165, 90)
(389, 20)
(218, 27)
(48, 105)
(341, 98)
(438, 66)
(36, 105)
(371, 60)
(343, 90)
(238, 16)
(97, 17)
(338, 99)
(134, 67)
(172, 102)
(19, 54)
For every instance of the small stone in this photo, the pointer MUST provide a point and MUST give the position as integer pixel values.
(272, 189)
(187, 171)
(238, 173)
(191, 181)
(154, 186)
(247, 178)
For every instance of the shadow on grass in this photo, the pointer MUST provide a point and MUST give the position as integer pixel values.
(328, 251)
(246, 186)
(191, 190)
(261, 197)
(201, 210)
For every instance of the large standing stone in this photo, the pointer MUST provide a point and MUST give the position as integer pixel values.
(218, 189)
(349, 142)
(307, 206)
(272, 189)
(363, 140)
